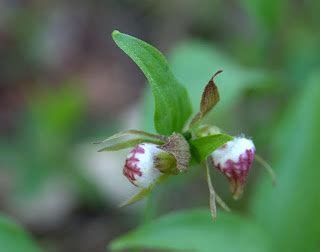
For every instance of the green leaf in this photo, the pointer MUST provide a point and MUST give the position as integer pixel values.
(172, 104)
(290, 211)
(14, 239)
(202, 147)
(194, 230)
(130, 138)
(143, 192)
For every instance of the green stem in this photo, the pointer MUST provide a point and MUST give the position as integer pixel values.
(269, 169)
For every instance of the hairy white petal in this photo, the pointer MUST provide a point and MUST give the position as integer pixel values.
(234, 159)
(232, 151)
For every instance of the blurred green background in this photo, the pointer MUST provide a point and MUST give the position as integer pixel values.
(64, 85)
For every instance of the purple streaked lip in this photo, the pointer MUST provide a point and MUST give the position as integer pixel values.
(131, 168)
(238, 170)
(234, 159)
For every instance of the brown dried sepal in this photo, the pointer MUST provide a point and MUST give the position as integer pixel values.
(210, 97)
(179, 148)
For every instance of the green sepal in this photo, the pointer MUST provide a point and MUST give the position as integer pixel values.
(130, 138)
(166, 163)
(143, 192)
(202, 147)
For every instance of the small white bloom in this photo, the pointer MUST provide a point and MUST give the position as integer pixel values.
(139, 167)
(234, 159)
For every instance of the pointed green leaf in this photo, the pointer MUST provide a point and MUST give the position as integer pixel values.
(14, 239)
(194, 230)
(202, 147)
(172, 104)
(130, 138)
(143, 192)
(137, 197)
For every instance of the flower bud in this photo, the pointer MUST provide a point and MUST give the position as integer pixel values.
(234, 159)
(140, 166)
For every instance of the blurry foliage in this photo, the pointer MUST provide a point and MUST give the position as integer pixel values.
(14, 239)
(41, 151)
(269, 13)
(22, 52)
(194, 230)
(302, 55)
(290, 212)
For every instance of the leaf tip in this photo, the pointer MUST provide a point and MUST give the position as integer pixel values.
(115, 33)
(217, 73)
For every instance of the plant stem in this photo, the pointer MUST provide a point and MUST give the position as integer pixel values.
(269, 169)
(212, 197)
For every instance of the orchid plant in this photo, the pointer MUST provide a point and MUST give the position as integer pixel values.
(181, 141)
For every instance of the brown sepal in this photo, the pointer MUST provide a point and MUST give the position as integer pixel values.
(210, 97)
(179, 148)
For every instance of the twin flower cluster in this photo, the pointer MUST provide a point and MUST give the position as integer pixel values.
(234, 159)
(178, 145)
(155, 157)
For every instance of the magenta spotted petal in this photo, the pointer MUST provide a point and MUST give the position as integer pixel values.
(139, 167)
(234, 159)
